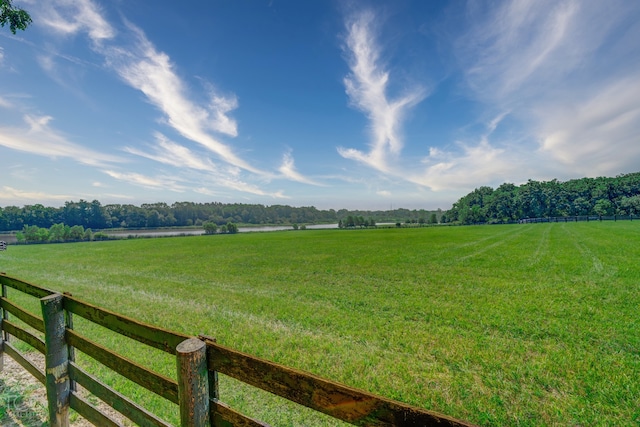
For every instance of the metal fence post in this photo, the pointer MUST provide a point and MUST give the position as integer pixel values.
(193, 383)
(56, 360)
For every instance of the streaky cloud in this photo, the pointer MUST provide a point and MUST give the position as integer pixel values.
(13, 195)
(598, 135)
(39, 138)
(239, 186)
(141, 65)
(566, 73)
(469, 167)
(366, 87)
(171, 153)
(152, 72)
(288, 170)
(72, 17)
(154, 183)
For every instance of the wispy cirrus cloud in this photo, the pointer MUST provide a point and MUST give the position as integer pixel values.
(142, 66)
(159, 182)
(171, 153)
(468, 167)
(367, 86)
(516, 43)
(597, 136)
(196, 171)
(38, 137)
(288, 170)
(69, 17)
(576, 102)
(152, 72)
(9, 195)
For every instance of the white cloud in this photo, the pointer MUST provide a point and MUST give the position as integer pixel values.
(154, 183)
(4, 103)
(288, 170)
(367, 86)
(10, 195)
(137, 61)
(239, 186)
(152, 72)
(598, 135)
(171, 153)
(69, 17)
(40, 139)
(519, 42)
(566, 72)
(469, 167)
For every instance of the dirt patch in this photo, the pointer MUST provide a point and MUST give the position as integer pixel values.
(23, 400)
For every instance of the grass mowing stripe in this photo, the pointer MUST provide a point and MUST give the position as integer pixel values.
(524, 324)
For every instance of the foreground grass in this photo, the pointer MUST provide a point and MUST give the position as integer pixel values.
(498, 325)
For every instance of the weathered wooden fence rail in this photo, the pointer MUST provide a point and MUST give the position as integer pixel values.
(198, 361)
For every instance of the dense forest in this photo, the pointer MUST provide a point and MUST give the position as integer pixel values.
(95, 216)
(578, 197)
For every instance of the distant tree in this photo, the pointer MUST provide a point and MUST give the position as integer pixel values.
(210, 227)
(56, 233)
(18, 19)
(630, 205)
(232, 228)
(101, 236)
(77, 232)
(32, 233)
(223, 229)
(603, 207)
(433, 219)
(295, 226)
(350, 222)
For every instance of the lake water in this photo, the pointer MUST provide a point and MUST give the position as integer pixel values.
(11, 238)
(198, 232)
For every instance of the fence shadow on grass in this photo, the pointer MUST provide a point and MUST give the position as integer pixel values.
(18, 409)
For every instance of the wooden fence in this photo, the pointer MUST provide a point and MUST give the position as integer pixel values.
(578, 218)
(198, 362)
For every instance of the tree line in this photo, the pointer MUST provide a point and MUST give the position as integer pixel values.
(96, 216)
(57, 233)
(602, 196)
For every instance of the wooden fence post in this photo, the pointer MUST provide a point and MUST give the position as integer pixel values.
(56, 360)
(2, 317)
(71, 350)
(193, 383)
(214, 391)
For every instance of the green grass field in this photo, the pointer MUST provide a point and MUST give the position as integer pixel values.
(497, 325)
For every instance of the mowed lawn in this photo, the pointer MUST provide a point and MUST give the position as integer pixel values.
(497, 325)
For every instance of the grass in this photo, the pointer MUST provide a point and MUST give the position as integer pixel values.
(497, 325)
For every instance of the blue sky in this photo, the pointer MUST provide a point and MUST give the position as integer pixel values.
(335, 104)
